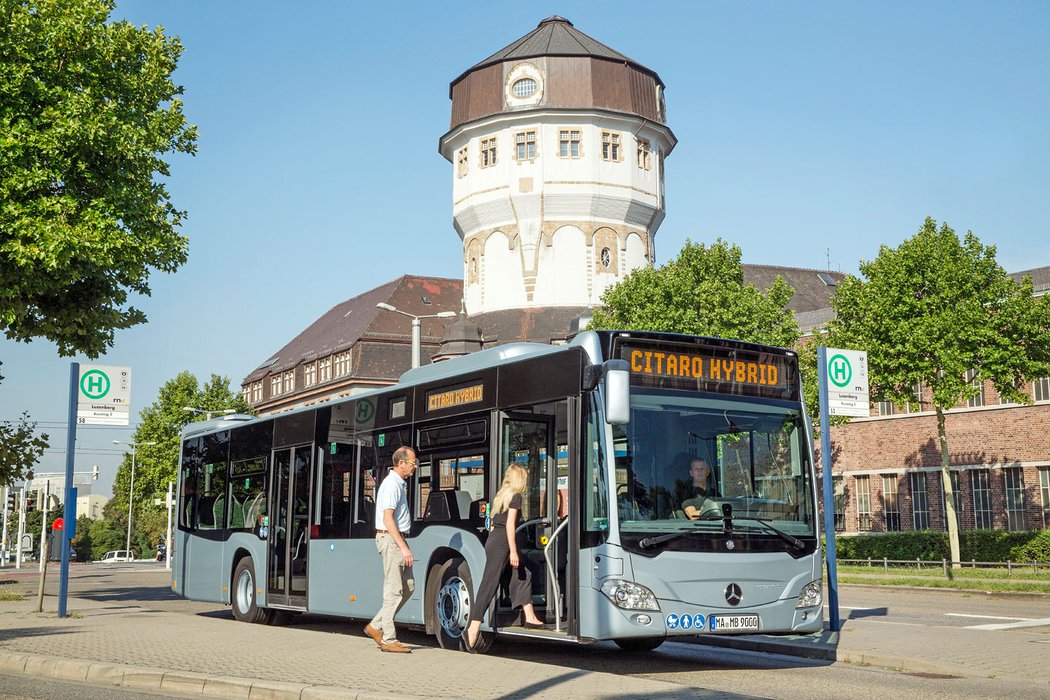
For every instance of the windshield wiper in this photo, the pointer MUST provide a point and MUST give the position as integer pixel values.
(793, 541)
(648, 542)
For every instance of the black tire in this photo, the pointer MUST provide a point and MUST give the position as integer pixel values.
(451, 599)
(639, 643)
(242, 594)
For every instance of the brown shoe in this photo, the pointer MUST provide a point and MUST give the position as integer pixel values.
(375, 634)
(395, 647)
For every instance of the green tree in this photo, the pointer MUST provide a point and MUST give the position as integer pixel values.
(88, 112)
(700, 292)
(933, 310)
(20, 448)
(155, 465)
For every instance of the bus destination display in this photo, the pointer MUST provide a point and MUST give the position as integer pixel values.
(701, 368)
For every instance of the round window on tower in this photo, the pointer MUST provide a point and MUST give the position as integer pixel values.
(606, 258)
(526, 87)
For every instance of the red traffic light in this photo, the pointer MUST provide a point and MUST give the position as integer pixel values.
(58, 524)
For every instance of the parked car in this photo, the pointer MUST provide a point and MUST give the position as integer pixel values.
(117, 555)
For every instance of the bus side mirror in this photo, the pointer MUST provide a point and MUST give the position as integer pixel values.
(617, 392)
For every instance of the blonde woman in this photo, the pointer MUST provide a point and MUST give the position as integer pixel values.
(501, 548)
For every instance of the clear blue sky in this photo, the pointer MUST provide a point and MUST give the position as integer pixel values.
(802, 127)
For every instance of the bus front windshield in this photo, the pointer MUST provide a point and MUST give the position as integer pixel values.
(684, 457)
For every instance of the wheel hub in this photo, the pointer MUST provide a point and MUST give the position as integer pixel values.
(245, 592)
(453, 606)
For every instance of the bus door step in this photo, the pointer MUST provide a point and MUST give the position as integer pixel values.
(548, 634)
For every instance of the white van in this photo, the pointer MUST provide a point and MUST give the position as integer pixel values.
(117, 555)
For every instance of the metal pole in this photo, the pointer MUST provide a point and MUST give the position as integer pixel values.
(167, 539)
(416, 341)
(70, 512)
(43, 525)
(7, 516)
(21, 527)
(829, 504)
(131, 495)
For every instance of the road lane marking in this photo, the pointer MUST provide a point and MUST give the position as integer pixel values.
(1011, 625)
(987, 617)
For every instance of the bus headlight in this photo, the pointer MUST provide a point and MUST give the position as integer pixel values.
(810, 595)
(629, 595)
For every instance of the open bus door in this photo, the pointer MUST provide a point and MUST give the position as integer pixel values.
(528, 440)
(289, 527)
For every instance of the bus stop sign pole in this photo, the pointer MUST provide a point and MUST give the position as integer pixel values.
(70, 510)
(828, 487)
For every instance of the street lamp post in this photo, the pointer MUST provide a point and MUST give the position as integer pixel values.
(131, 490)
(209, 414)
(416, 339)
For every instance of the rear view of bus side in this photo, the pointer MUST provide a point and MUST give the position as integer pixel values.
(670, 493)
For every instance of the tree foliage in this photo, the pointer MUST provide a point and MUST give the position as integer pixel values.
(933, 310)
(20, 448)
(700, 292)
(162, 422)
(88, 111)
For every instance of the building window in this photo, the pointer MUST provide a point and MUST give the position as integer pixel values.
(916, 398)
(605, 257)
(310, 374)
(526, 87)
(890, 509)
(525, 145)
(956, 499)
(1042, 389)
(342, 364)
(839, 501)
(610, 146)
(645, 154)
(461, 162)
(488, 152)
(885, 408)
(324, 369)
(246, 393)
(920, 502)
(1044, 492)
(1014, 478)
(257, 393)
(973, 380)
(982, 500)
(275, 385)
(569, 143)
(863, 503)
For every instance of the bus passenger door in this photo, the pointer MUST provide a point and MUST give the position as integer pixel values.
(289, 528)
(528, 441)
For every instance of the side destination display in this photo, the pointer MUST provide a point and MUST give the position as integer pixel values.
(691, 367)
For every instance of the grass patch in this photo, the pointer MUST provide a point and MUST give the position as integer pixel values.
(6, 596)
(933, 570)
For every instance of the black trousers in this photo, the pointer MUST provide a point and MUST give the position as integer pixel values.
(497, 556)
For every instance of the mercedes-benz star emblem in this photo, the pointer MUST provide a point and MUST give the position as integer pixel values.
(733, 594)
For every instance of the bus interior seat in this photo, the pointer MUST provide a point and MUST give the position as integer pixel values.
(206, 510)
(445, 506)
(463, 501)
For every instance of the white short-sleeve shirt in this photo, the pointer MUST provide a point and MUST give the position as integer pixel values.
(393, 494)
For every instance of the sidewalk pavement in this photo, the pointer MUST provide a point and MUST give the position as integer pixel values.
(111, 641)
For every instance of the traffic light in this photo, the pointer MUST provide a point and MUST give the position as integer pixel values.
(30, 505)
(12, 500)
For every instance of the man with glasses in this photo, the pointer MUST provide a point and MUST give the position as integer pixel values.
(393, 520)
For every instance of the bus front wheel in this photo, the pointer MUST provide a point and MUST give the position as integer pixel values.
(451, 600)
(639, 643)
(243, 598)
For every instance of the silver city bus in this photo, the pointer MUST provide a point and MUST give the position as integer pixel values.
(627, 538)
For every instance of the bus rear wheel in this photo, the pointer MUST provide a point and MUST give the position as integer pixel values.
(639, 643)
(451, 599)
(243, 594)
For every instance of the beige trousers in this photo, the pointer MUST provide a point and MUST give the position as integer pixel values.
(398, 586)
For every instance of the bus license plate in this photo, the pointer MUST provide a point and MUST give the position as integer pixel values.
(734, 623)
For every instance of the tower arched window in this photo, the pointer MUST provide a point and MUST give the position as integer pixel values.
(606, 258)
(526, 87)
